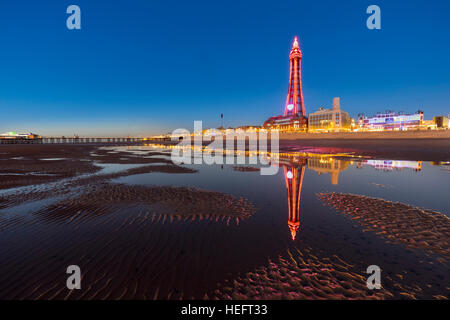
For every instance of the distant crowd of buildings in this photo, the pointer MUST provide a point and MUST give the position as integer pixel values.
(337, 120)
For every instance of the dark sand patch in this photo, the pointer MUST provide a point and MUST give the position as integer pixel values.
(23, 165)
(45, 179)
(104, 155)
(124, 238)
(414, 227)
(302, 275)
(177, 201)
(72, 186)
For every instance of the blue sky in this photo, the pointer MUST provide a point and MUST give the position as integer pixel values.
(143, 67)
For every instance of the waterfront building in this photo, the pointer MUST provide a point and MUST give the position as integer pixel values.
(248, 128)
(441, 121)
(294, 117)
(428, 125)
(391, 121)
(15, 137)
(329, 120)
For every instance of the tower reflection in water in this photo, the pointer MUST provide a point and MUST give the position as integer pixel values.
(294, 180)
(294, 170)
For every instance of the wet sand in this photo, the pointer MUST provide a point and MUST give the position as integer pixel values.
(125, 238)
(22, 165)
(115, 234)
(174, 202)
(25, 165)
(154, 242)
(72, 178)
(301, 275)
(417, 228)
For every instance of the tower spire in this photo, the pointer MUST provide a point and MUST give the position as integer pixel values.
(295, 44)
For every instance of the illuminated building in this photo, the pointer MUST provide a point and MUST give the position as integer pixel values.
(389, 165)
(294, 117)
(441, 121)
(429, 125)
(328, 165)
(14, 137)
(391, 121)
(294, 179)
(325, 120)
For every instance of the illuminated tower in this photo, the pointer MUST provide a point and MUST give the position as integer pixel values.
(294, 101)
(294, 180)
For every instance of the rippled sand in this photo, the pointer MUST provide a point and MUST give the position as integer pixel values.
(176, 202)
(150, 242)
(414, 227)
(114, 233)
(301, 275)
(23, 165)
(123, 237)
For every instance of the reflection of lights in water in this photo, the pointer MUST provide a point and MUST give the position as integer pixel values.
(266, 155)
(289, 175)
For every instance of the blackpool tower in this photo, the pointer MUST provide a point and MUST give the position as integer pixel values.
(294, 101)
(294, 117)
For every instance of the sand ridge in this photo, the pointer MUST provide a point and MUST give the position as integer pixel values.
(300, 275)
(417, 228)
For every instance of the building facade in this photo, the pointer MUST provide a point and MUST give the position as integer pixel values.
(441, 121)
(391, 121)
(286, 123)
(329, 120)
(14, 137)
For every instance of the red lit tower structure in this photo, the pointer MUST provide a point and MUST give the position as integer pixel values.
(294, 117)
(294, 101)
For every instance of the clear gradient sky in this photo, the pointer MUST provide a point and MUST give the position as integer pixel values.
(139, 67)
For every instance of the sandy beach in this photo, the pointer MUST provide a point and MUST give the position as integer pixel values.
(171, 241)
(417, 228)
(82, 217)
(301, 274)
